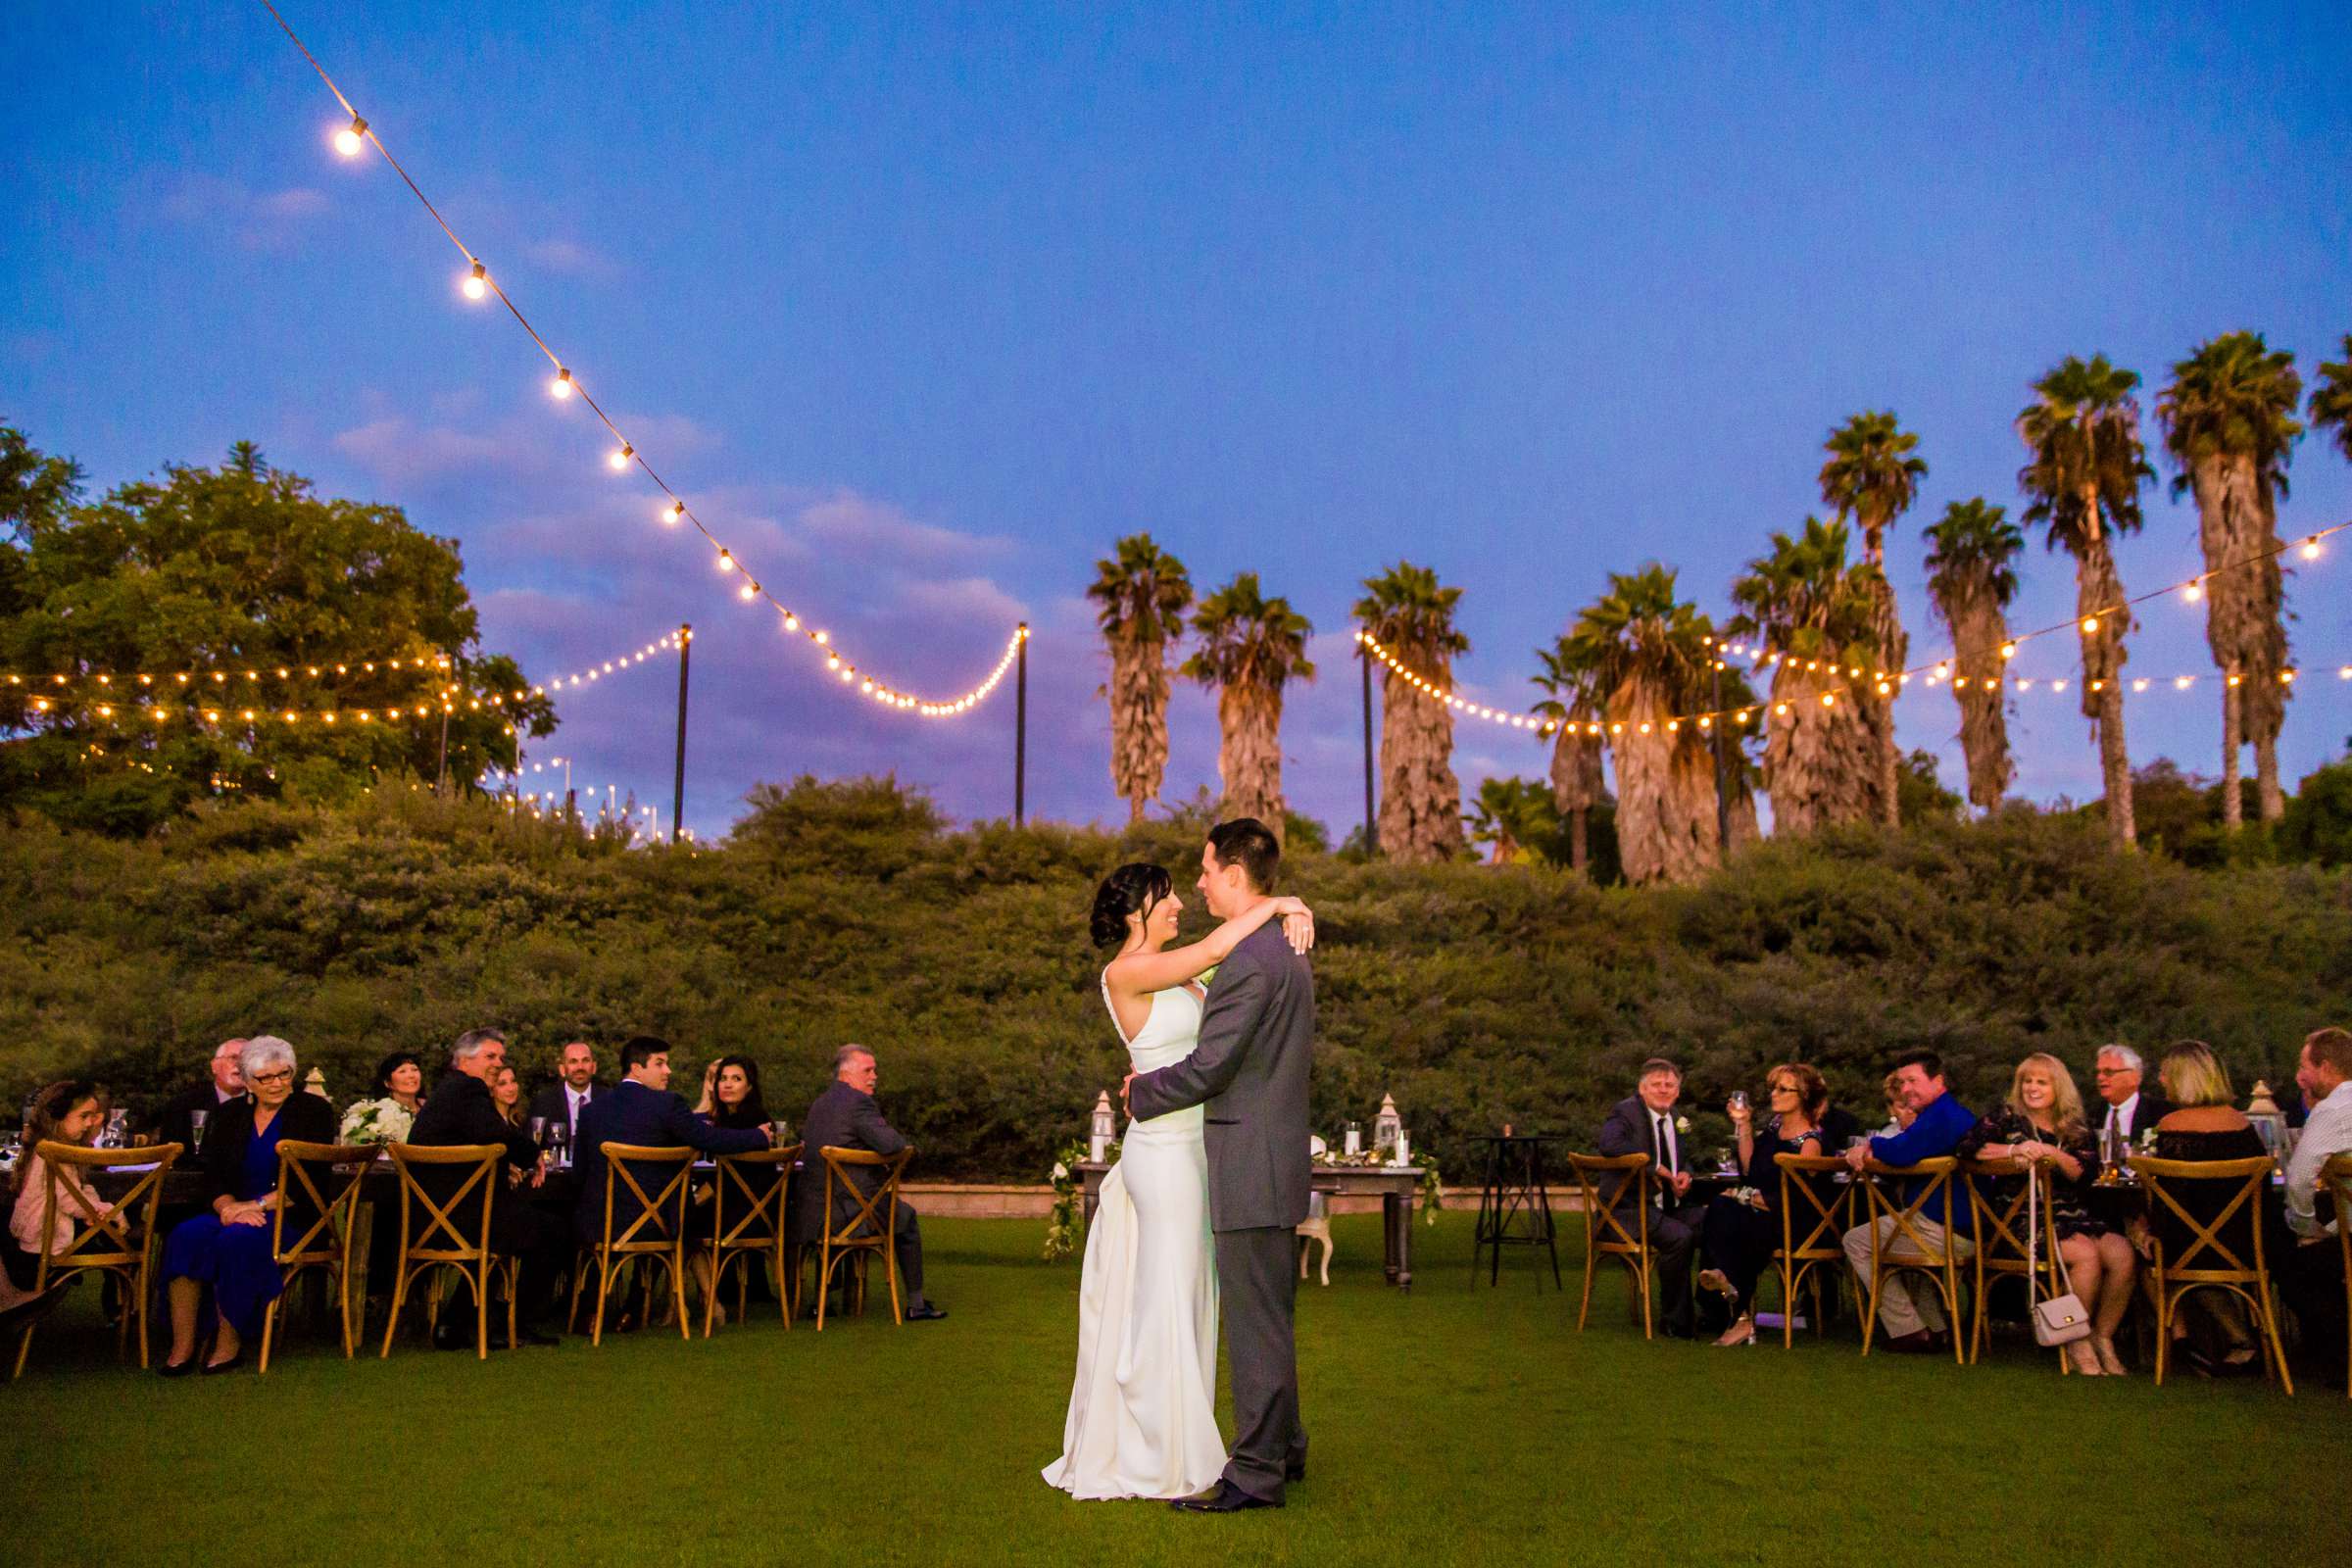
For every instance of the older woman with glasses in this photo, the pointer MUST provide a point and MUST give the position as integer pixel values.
(230, 1250)
(1743, 1227)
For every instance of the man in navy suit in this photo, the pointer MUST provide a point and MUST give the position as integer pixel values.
(1644, 1123)
(640, 1109)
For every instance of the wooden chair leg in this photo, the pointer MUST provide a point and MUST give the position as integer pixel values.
(677, 1290)
(268, 1327)
(604, 1291)
(579, 1277)
(1585, 1307)
(718, 1276)
(481, 1308)
(400, 1295)
(23, 1350)
(2272, 1348)
(2164, 1333)
(1641, 1276)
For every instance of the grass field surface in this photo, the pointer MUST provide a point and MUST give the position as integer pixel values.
(1458, 1423)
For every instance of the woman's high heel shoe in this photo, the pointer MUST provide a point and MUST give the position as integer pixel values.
(1742, 1332)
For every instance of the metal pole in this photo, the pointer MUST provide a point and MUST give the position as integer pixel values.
(677, 797)
(1020, 727)
(441, 784)
(1723, 799)
(1371, 820)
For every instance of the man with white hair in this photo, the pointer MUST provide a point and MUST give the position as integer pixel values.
(2131, 1110)
(844, 1116)
(209, 1094)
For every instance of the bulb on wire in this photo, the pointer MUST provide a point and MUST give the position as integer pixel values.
(2193, 592)
(2310, 548)
(673, 512)
(352, 139)
(561, 387)
(478, 284)
(619, 459)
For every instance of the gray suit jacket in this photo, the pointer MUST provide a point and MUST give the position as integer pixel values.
(842, 1117)
(1257, 1041)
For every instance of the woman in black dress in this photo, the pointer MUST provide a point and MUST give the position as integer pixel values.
(2205, 1125)
(731, 1098)
(2041, 1123)
(1743, 1227)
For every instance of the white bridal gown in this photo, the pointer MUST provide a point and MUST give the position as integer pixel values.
(1143, 1419)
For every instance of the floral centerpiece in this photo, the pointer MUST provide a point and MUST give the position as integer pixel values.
(378, 1121)
(1427, 1193)
(1064, 1225)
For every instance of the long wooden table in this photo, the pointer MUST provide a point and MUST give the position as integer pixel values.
(1394, 1184)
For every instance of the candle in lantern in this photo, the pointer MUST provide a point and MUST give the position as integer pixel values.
(1356, 1139)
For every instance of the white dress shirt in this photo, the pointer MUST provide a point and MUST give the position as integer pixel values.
(2121, 1117)
(574, 1102)
(2327, 1131)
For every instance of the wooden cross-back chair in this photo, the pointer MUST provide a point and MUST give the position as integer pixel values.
(746, 1221)
(2210, 1259)
(1601, 1184)
(438, 1238)
(1998, 1210)
(321, 1183)
(656, 1235)
(115, 1240)
(1812, 1233)
(2335, 1179)
(1888, 1258)
(843, 1238)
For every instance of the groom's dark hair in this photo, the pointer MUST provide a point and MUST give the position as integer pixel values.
(1247, 842)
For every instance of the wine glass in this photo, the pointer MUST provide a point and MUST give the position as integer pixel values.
(196, 1121)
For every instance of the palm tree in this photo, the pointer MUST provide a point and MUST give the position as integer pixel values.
(1872, 477)
(1142, 592)
(2229, 422)
(2332, 398)
(1576, 782)
(1249, 647)
(1971, 581)
(1515, 817)
(1648, 657)
(2083, 475)
(1821, 615)
(1420, 799)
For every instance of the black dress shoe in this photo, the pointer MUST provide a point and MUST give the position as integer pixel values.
(167, 1369)
(535, 1337)
(928, 1312)
(213, 1369)
(1227, 1498)
(1295, 1471)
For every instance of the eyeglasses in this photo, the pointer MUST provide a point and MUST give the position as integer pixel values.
(283, 1075)
(2109, 1072)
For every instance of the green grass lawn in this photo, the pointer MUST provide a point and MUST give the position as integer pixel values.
(1454, 1425)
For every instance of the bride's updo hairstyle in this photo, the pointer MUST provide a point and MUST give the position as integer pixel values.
(1130, 890)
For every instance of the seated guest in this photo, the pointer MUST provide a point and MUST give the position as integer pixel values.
(576, 1085)
(1913, 1317)
(1742, 1228)
(505, 1093)
(2041, 1123)
(2127, 1113)
(393, 1100)
(70, 1112)
(1899, 1113)
(2314, 1270)
(461, 1111)
(844, 1116)
(2205, 1125)
(208, 1094)
(1644, 1123)
(642, 1110)
(230, 1249)
(731, 1098)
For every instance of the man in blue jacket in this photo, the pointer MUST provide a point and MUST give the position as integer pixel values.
(642, 1110)
(1912, 1317)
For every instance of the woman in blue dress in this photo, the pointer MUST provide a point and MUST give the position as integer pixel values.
(231, 1250)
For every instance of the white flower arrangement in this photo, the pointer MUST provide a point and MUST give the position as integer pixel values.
(378, 1121)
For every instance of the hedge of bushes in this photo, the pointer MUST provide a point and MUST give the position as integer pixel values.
(848, 911)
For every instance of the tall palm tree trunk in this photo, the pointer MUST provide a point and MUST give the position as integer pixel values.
(1978, 629)
(1665, 804)
(2098, 588)
(1249, 752)
(1421, 800)
(2233, 794)
(1139, 720)
(1878, 713)
(1821, 761)
(2242, 623)
(1575, 785)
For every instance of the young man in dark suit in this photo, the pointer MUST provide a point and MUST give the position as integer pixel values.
(1644, 1123)
(844, 1116)
(640, 1109)
(461, 1111)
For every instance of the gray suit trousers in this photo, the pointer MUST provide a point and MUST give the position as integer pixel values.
(1257, 1283)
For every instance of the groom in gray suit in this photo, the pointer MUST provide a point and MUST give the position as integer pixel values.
(1250, 1070)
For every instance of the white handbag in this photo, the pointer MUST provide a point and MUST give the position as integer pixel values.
(2062, 1319)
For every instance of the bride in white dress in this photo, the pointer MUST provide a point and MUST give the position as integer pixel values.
(1143, 1420)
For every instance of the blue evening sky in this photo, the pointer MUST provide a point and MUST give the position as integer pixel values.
(923, 307)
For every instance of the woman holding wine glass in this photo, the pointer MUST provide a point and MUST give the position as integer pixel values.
(1742, 1227)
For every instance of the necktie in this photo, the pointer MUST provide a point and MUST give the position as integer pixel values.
(1664, 1158)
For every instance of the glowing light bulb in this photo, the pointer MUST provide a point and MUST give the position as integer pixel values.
(791, 623)
(749, 592)
(674, 513)
(726, 561)
(352, 139)
(2193, 592)
(2180, 683)
(2310, 548)
(2008, 649)
(561, 387)
(476, 285)
(619, 461)
(2090, 624)
(823, 637)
